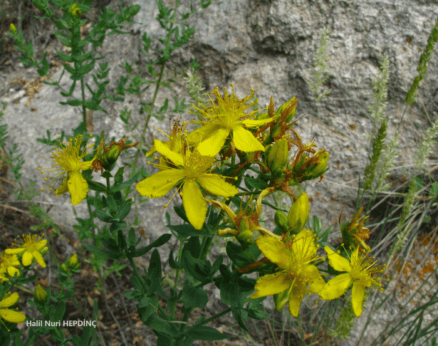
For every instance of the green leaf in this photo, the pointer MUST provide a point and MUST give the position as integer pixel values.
(154, 272)
(72, 103)
(241, 317)
(205, 333)
(70, 69)
(123, 211)
(115, 255)
(194, 297)
(188, 230)
(59, 312)
(172, 263)
(164, 107)
(103, 215)
(64, 56)
(230, 293)
(87, 68)
(94, 106)
(157, 243)
(125, 184)
(253, 183)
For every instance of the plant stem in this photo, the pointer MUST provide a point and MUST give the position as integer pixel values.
(226, 311)
(84, 114)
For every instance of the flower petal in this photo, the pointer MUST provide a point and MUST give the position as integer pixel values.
(9, 301)
(163, 149)
(338, 262)
(216, 185)
(12, 271)
(27, 258)
(194, 204)
(160, 183)
(39, 259)
(271, 284)
(336, 287)
(256, 123)
(296, 295)
(40, 244)
(12, 251)
(213, 144)
(316, 282)
(198, 135)
(12, 316)
(78, 187)
(303, 246)
(357, 296)
(275, 251)
(244, 140)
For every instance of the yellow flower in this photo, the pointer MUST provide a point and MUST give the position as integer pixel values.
(9, 262)
(10, 315)
(297, 272)
(12, 28)
(191, 172)
(32, 248)
(359, 271)
(68, 163)
(224, 118)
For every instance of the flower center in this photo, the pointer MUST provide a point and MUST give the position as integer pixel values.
(196, 164)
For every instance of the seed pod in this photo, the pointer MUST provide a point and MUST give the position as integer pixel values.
(299, 213)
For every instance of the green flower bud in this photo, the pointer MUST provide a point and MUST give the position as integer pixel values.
(281, 220)
(245, 234)
(281, 299)
(12, 28)
(320, 168)
(277, 156)
(64, 267)
(284, 106)
(40, 295)
(299, 213)
(111, 153)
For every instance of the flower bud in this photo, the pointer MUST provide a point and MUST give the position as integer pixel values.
(281, 221)
(320, 168)
(73, 262)
(245, 234)
(12, 28)
(284, 106)
(75, 10)
(281, 299)
(299, 213)
(111, 153)
(40, 295)
(278, 156)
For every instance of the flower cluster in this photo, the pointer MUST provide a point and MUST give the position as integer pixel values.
(32, 247)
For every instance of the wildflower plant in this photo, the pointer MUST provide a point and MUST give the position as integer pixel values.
(209, 168)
